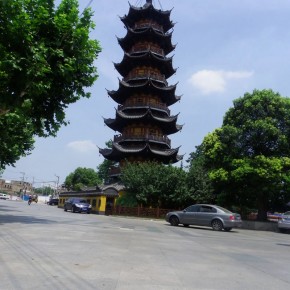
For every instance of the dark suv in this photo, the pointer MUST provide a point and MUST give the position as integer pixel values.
(53, 201)
(76, 204)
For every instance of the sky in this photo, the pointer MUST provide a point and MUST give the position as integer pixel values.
(224, 49)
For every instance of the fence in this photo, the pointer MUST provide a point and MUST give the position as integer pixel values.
(161, 213)
(139, 211)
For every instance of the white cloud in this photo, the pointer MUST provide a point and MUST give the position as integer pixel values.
(210, 81)
(82, 146)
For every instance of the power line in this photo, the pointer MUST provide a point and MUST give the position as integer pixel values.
(89, 4)
(160, 4)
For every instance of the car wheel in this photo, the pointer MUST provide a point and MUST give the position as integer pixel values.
(186, 225)
(73, 209)
(227, 229)
(217, 225)
(282, 230)
(174, 221)
(65, 209)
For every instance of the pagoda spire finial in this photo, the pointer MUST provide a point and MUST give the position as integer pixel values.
(148, 3)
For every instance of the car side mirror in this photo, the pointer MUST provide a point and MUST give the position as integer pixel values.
(184, 210)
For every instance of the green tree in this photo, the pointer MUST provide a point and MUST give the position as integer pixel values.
(81, 178)
(46, 62)
(200, 188)
(44, 190)
(154, 184)
(249, 156)
(16, 138)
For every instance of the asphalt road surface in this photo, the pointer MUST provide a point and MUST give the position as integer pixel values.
(43, 247)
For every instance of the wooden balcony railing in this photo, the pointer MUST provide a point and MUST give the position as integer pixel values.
(146, 75)
(131, 105)
(145, 48)
(146, 137)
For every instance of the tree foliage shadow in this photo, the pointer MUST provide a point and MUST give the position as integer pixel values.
(23, 219)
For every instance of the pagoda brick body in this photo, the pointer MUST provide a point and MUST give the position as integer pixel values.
(143, 118)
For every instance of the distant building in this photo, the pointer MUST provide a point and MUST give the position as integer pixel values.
(14, 186)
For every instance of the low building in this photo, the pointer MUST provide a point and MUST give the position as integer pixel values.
(102, 199)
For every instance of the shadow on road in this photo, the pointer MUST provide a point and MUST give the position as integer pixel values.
(24, 219)
(6, 219)
(4, 208)
(191, 227)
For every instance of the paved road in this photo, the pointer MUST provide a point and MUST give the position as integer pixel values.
(43, 247)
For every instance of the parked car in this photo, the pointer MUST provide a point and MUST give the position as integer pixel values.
(77, 205)
(53, 201)
(4, 196)
(205, 215)
(284, 222)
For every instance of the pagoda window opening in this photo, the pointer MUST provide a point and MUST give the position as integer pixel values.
(153, 132)
(146, 101)
(147, 72)
(147, 46)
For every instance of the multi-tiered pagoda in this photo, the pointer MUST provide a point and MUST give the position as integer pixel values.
(143, 118)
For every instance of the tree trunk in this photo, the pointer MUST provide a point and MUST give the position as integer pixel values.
(262, 210)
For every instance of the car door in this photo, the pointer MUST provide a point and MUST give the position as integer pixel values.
(189, 215)
(205, 215)
(68, 204)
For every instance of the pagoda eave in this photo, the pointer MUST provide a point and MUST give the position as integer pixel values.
(129, 62)
(167, 94)
(135, 13)
(167, 124)
(118, 153)
(149, 34)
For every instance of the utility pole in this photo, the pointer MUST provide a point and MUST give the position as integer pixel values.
(57, 182)
(23, 184)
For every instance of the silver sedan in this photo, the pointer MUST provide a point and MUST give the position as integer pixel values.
(205, 215)
(284, 222)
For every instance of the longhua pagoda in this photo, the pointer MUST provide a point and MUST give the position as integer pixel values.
(144, 96)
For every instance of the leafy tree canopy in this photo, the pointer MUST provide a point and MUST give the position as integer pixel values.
(16, 138)
(249, 156)
(81, 178)
(154, 184)
(44, 190)
(46, 62)
(200, 188)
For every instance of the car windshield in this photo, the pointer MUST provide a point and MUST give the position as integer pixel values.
(80, 201)
(223, 209)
